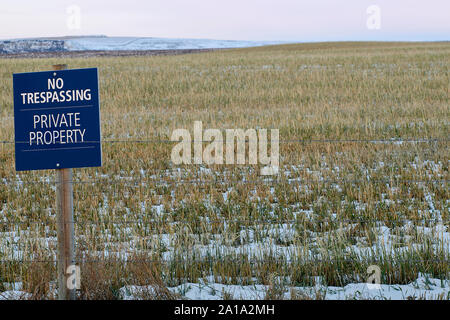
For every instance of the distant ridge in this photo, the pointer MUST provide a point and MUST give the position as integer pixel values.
(104, 43)
(31, 45)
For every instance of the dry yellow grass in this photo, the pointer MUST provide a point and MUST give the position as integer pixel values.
(330, 195)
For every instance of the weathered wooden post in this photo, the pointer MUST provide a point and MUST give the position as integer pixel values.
(57, 126)
(66, 242)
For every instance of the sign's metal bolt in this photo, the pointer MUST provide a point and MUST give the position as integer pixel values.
(57, 164)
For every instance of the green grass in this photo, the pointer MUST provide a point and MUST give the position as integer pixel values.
(346, 190)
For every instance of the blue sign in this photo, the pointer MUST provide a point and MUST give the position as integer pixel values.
(57, 119)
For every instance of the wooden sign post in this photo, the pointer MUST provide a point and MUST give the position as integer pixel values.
(66, 243)
(57, 126)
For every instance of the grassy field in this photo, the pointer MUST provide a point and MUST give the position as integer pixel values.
(364, 161)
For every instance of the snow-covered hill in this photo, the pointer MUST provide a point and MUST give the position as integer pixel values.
(119, 43)
(31, 45)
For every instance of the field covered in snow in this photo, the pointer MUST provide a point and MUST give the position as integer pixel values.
(103, 43)
(132, 43)
(363, 179)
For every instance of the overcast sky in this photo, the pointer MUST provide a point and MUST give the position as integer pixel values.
(291, 20)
